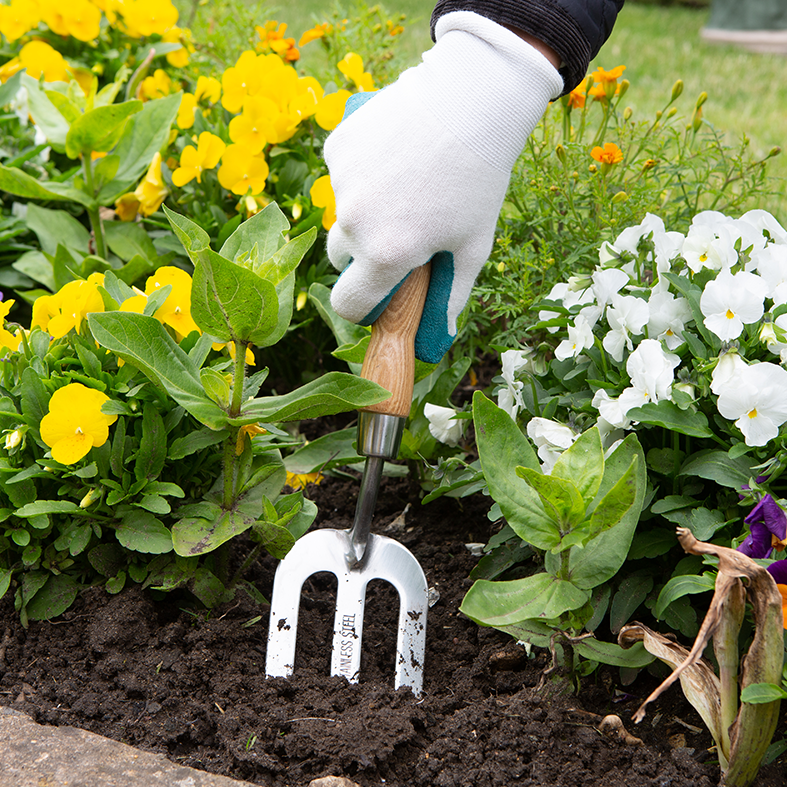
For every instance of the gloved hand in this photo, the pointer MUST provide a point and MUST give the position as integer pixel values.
(420, 171)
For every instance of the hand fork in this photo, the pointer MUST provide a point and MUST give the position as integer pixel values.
(355, 556)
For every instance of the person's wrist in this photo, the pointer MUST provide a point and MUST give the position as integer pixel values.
(539, 45)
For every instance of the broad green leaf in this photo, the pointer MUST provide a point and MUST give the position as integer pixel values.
(6, 574)
(334, 448)
(194, 239)
(353, 353)
(140, 531)
(100, 128)
(10, 88)
(285, 295)
(702, 522)
(611, 509)
(45, 114)
(303, 519)
(266, 228)
(40, 507)
(758, 693)
(593, 649)
(170, 572)
(632, 592)
(501, 448)
(19, 183)
(601, 558)
(668, 415)
(127, 238)
(139, 267)
(152, 446)
(144, 135)
(197, 535)
(35, 265)
(345, 331)
(64, 105)
(54, 598)
(276, 539)
(107, 559)
(560, 498)
(232, 303)
(55, 228)
(684, 585)
(195, 441)
(144, 342)
(207, 587)
(716, 465)
(540, 596)
(216, 386)
(286, 259)
(334, 392)
(582, 464)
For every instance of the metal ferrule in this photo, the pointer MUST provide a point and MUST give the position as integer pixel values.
(379, 435)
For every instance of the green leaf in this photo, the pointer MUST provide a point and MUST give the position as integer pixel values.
(505, 603)
(276, 539)
(334, 392)
(127, 238)
(702, 522)
(40, 507)
(684, 585)
(634, 657)
(54, 598)
(617, 502)
(601, 557)
(668, 415)
(335, 448)
(582, 464)
(35, 399)
(216, 386)
(152, 445)
(143, 136)
(45, 114)
(140, 531)
(144, 342)
(716, 465)
(107, 559)
(502, 447)
(99, 129)
(19, 183)
(758, 693)
(35, 265)
(64, 105)
(55, 228)
(632, 592)
(232, 303)
(6, 574)
(194, 239)
(195, 441)
(560, 498)
(345, 331)
(266, 229)
(353, 353)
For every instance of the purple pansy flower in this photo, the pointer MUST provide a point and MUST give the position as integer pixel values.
(778, 570)
(766, 520)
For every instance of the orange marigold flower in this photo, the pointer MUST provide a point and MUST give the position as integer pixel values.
(602, 75)
(318, 31)
(576, 98)
(609, 154)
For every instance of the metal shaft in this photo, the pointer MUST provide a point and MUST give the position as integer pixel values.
(364, 509)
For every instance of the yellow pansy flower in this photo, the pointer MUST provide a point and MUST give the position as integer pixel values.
(156, 86)
(176, 309)
(298, 481)
(352, 67)
(52, 16)
(57, 314)
(82, 19)
(240, 81)
(151, 191)
(75, 423)
(330, 109)
(208, 88)
(307, 97)
(180, 57)
(322, 196)
(8, 339)
(41, 60)
(254, 127)
(241, 172)
(193, 161)
(148, 17)
(127, 206)
(18, 18)
(110, 8)
(188, 105)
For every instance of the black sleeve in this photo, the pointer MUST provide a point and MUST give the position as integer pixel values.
(575, 29)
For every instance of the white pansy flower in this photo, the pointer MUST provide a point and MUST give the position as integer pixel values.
(510, 397)
(666, 245)
(557, 293)
(652, 371)
(765, 222)
(772, 267)
(627, 317)
(774, 339)
(612, 413)
(19, 106)
(580, 337)
(443, 426)
(551, 439)
(730, 302)
(607, 283)
(727, 368)
(756, 399)
(708, 247)
(668, 317)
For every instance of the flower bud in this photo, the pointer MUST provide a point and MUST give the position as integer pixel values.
(297, 210)
(561, 153)
(774, 151)
(90, 498)
(300, 301)
(592, 168)
(687, 388)
(501, 266)
(624, 86)
(696, 121)
(677, 89)
(13, 439)
(627, 113)
(768, 334)
(703, 97)
(671, 112)
(621, 196)
(649, 164)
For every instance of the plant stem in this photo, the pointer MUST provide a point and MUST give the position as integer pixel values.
(93, 214)
(245, 566)
(238, 375)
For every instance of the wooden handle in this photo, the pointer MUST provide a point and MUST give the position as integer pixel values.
(390, 357)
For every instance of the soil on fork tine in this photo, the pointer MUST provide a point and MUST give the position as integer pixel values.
(167, 677)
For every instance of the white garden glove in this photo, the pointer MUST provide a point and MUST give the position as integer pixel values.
(422, 167)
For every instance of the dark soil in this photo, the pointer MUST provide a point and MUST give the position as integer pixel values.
(166, 677)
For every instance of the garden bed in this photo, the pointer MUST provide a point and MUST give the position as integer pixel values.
(169, 678)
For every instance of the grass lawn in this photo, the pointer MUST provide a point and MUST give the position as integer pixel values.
(747, 92)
